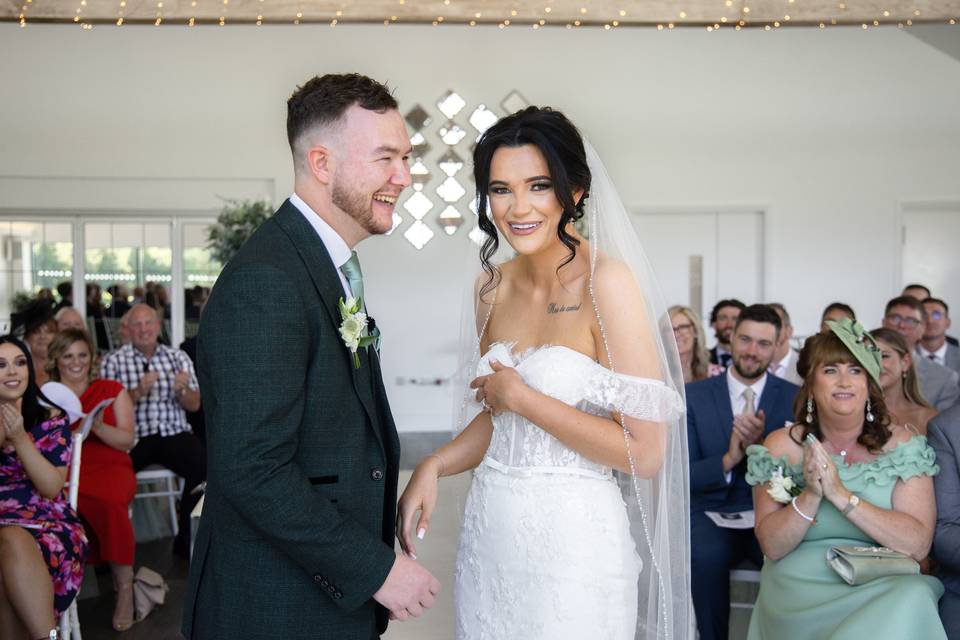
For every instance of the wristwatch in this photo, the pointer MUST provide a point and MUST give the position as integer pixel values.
(852, 504)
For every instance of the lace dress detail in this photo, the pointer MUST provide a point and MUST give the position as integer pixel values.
(545, 549)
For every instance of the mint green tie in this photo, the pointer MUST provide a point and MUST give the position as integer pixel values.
(351, 269)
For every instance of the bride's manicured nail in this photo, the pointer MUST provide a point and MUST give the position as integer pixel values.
(413, 556)
(421, 532)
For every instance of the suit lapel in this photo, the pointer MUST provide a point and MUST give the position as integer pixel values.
(768, 402)
(320, 267)
(721, 399)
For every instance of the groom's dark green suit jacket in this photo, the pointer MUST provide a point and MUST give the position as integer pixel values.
(299, 515)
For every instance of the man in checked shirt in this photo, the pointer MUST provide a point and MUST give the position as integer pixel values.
(163, 385)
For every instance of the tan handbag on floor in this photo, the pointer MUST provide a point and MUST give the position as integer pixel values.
(857, 565)
(149, 591)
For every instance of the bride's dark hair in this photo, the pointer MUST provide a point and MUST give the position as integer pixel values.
(561, 145)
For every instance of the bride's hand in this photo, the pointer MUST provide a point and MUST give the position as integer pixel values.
(419, 495)
(501, 390)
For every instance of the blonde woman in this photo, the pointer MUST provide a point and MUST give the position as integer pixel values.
(901, 387)
(691, 343)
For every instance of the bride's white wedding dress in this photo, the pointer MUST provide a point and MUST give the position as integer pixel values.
(545, 550)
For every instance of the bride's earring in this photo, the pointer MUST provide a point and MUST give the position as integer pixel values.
(870, 416)
(810, 410)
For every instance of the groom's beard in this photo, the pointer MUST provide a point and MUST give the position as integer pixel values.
(358, 206)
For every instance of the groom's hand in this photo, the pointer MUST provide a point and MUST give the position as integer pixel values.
(408, 590)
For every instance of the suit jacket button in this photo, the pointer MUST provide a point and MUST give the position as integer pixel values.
(324, 583)
(376, 474)
(337, 595)
(331, 588)
(317, 578)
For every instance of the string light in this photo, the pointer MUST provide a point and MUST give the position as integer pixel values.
(883, 17)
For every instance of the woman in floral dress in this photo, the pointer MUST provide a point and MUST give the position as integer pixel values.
(42, 542)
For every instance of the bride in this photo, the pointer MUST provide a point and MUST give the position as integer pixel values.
(576, 524)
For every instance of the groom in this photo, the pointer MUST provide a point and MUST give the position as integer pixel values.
(296, 537)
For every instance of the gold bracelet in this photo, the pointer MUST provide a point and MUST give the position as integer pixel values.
(443, 465)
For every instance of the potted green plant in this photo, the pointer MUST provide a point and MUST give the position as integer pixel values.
(235, 224)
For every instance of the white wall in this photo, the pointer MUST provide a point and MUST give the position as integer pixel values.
(827, 131)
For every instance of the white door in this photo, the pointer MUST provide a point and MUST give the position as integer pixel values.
(700, 257)
(931, 250)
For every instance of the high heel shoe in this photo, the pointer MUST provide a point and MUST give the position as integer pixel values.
(124, 623)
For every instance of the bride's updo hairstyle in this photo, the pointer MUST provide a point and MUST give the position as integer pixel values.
(561, 145)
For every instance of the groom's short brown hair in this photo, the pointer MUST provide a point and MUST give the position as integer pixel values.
(324, 99)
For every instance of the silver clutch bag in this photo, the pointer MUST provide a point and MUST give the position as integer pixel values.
(857, 565)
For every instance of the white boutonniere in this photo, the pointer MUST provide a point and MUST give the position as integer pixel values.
(353, 327)
(782, 488)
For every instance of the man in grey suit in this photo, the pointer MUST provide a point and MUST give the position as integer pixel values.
(296, 536)
(784, 363)
(933, 345)
(944, 436)
(940, 386)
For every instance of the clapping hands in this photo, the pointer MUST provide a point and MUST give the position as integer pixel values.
(820, 472)
(12, 422)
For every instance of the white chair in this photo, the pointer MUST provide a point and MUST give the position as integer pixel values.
(70, 620)
(173, 489)
(744, 573)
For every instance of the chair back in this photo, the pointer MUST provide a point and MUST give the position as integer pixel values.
(74, 482)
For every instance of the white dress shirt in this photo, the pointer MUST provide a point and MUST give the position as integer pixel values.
(939, 356)
(736, 389)
(335, 245)
(738, 402)
(779, 369)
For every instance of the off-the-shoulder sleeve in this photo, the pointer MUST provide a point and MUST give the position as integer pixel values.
(912, 458)
(640, 398)
(761, 464)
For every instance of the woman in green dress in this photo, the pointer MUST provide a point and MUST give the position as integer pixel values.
(861, 481)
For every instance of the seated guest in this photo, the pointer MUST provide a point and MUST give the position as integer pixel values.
(940, 386)
(36, 324)
(65, 291)
(945, 440)
(69, 318)
(723, 318)
(118, 301)
(722, 420)
(918, 291)
(690, 343)
(784, 363)
(901, 388)
(934, 345)
(107, 481)
(835, 311)
(42, 542)
(163, 386)
(863, 482)
(921, 293)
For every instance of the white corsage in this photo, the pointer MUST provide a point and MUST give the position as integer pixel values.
(782, 488)
(353, 327)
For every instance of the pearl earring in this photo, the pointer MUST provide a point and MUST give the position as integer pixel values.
(870, 416)
(810, 410)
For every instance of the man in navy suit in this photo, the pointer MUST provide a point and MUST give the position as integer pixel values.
(725, 415)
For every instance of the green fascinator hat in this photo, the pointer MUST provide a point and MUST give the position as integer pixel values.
(860, 343)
